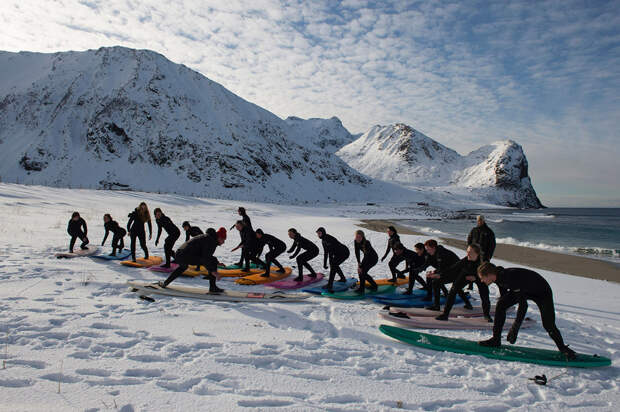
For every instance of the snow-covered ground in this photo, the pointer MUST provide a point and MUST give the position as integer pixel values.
(75, 321)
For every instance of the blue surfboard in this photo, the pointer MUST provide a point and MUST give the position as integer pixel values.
(338, 287)
(122, 255)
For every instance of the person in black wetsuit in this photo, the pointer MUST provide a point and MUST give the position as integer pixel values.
(336, 253)
(248, 245)
(248, 223)
(441, 259)
(364, 265)
(483, 236)
(415, 260)
(276, 248)
(190, 231)
(118, 234)
(466, 271)
(393, 239)
(172, 231)
(310, 252)
(199, 250)
(521, 285)
(77, 229)
(135, 227)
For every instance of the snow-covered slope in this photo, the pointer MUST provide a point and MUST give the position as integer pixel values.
(328, 134)
(123, 118)
(497, 173)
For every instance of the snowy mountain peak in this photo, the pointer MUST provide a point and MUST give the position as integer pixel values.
(398, 153)
(117, 117)
(328, 134)
(497, 172)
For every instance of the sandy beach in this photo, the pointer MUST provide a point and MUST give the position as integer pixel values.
(536, 258)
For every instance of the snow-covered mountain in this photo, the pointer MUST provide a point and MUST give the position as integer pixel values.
(124, 118)
(131, 119)
(497, 173)
(328, 134)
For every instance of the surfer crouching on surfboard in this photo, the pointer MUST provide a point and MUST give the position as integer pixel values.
(199, 250)
(520, 285)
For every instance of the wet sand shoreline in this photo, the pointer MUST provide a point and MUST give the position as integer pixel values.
(520, 255)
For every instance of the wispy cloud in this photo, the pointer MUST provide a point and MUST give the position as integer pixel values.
(544, 73)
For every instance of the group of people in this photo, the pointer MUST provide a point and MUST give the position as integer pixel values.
(516, 285)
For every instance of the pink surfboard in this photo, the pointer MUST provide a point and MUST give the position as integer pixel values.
(162, 269)
(289, 283)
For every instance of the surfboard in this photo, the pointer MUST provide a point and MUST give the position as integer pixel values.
(387, 281)
(352, 295)
(257, 279)
(290, 283)
(413, 301)
(77, 252)
(232, 273)
(456, 311)
(338, 287)
(504, 352)
(425, 322)
(235, 266)
(123, 254)
(204, 294)
(161, 269)
(143, 263)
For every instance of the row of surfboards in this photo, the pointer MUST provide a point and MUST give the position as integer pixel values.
(406, 311)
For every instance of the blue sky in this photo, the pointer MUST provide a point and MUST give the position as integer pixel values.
(543, 73)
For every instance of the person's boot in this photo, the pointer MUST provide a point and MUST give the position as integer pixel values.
(434, 307)
(468, 306)
(443, 316)
(212, 286)
(299, 278)
(360, 290)
(281, 270)
(342, 279)
(568, 352)
(401, 276)
(488, 318)
(408, 292)
(312, 275)
(491, 343)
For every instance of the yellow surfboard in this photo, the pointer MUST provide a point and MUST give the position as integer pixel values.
(143, 263)
(386, 281)
(257, 279)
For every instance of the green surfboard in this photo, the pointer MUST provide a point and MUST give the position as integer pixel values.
(508, 353)
(235, 266)
(351, 295)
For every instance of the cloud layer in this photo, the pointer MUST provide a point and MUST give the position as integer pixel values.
(544, 73)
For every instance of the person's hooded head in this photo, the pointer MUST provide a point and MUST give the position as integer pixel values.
(320, 232)
(221, 235)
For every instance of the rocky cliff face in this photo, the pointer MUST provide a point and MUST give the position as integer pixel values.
(118, 117)
(496, 173)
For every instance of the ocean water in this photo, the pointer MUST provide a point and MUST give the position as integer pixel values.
(580, 231)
